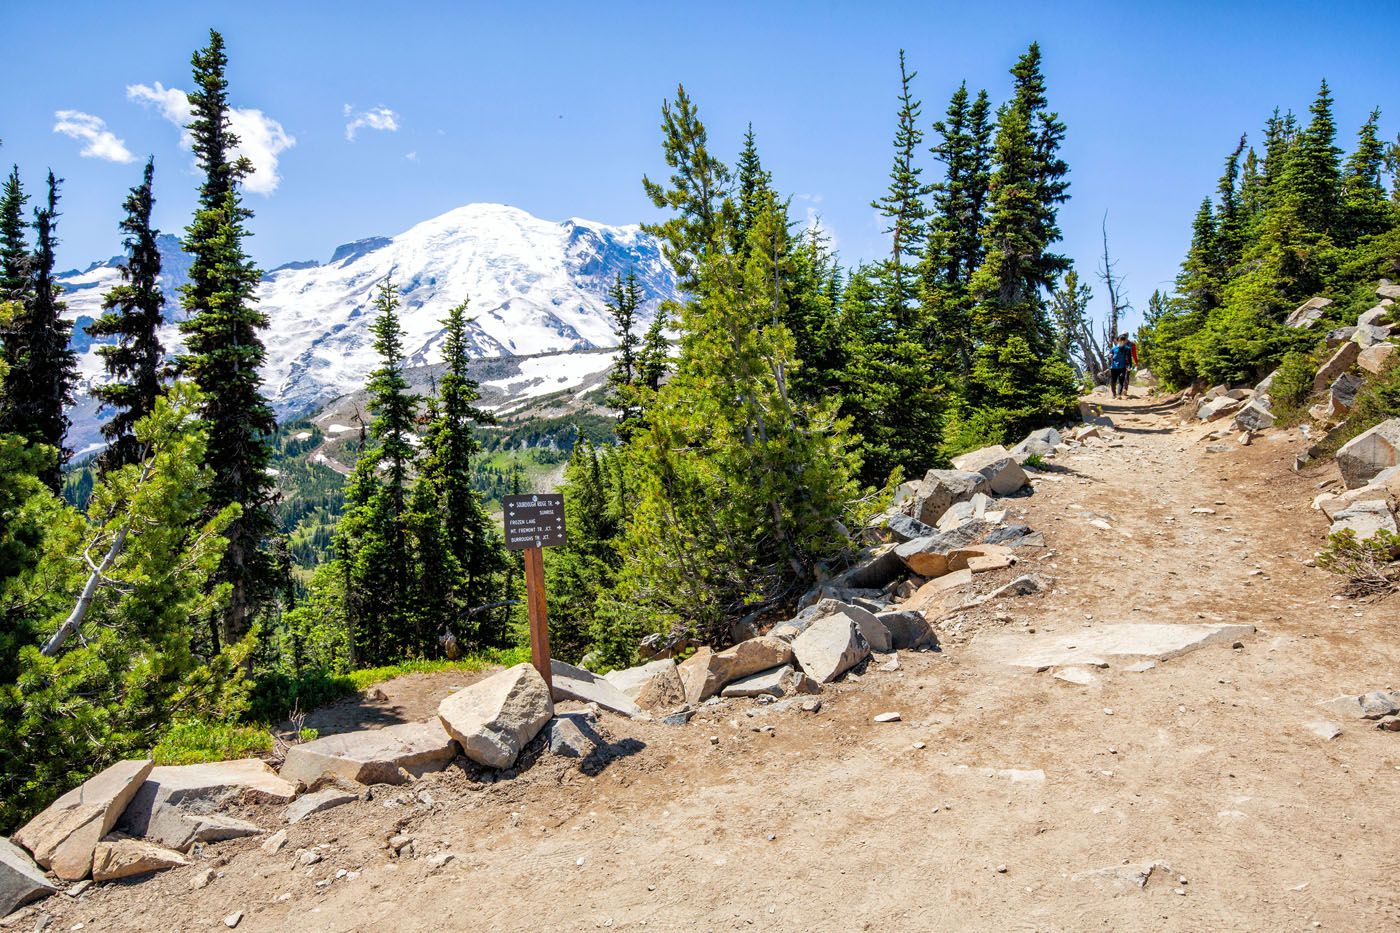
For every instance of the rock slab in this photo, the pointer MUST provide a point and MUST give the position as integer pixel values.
(1094, 647)
(706, 672)
(307, 804)
(174, 800)
(495, 718)
(21, 881)
(1004, 475)
(656, 685)
(64, 836)
(372, 756)
(118, 858)
(575, 683)
(1370, 452)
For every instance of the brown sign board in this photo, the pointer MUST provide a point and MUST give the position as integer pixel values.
(534, 520)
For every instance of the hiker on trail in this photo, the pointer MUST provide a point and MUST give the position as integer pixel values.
(1120, 356)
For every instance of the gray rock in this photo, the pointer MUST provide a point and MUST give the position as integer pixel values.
(908, 629)
(706, 672)
(307, 804)
(572, 736)
(64, 836)
(678, 718)
(1308, 313)
(117, 858)
(1024, 585)
(656, 685)
(1371, 705)
(1324, 729)
(1217, 408)
(1388, 290)
(21, 881)
(1370, 452)
(172, 803)
(1373, 359)
(1373, 316)
(928, 557)
(1364, 519)
(1032, 447)
(873, 570)
(215, 827)
(901, 528)
(958, 514)
(1254, 416)
(1339, 362)
(575, 683)
(781, 681)
(1004, 475)
(941, 488)
(372, 756)
(830, 647)
(1340, 335)
(1007, 534)
(1370, 335)
(1263, 387)
(495, 718)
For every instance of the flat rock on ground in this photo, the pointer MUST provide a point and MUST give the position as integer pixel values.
(63, 837)
(706, 672)
(172, 802)
(307, 804)
(1096, 646)
(118, 858)
(21, 881)
(575, 683)
(372, 756)
(655, 685)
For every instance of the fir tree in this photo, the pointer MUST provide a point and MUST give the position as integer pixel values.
(654, 358)
(580, 573)
(1311, 182)
(223, 350)
(1230, 230)
(42, 366)
(1365, 208)
(1199, 281)
(903, 205)
(754, 180)
(372, 540)
(624, 379)
(14, 245)
(133, 315)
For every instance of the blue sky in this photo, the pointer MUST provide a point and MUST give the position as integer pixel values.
(554, 107)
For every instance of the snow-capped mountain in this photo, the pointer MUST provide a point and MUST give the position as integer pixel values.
(535, 286)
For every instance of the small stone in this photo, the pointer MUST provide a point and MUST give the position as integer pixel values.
(308, 804)
(887, 717)
(274, 843)
(201, 879)
(1001, 869)
(1107, 711)
(308, 856)
(918, 746)
(233, 919)
(811, 706)
(1389, 723)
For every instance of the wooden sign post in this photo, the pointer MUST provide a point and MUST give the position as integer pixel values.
(535, 521)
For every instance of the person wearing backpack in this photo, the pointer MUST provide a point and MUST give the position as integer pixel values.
(1120, 356)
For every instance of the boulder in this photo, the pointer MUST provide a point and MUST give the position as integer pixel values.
(1388, 290)
(941, 488)
(900, 528)
(1339, 362)
(1308, 313)
(1145, 377)
(1370, 335)
(874, 569)
(572, 735)
(575, 683)
(1373, 705)
(173, 802)
(1339, 335)
(970, 557)
(1008, 535)
(1373, 316)
(1373, 359)
(1240, 395)
(1214, 392)
(908, 629)
(372, 756)
(1039, 443)
(958, 514)
(1364, 519)
(830, 647)
(930, 596)
(1004, 475)
(782, 681)
(1367, 454)
(495, 718)
(120, 857)
(706, 672)
(21, 881)
(651, 686)
(1262, 389)
(864, 616)
(321, 800)
(64, 836)
(1254, 416)
(1340, 397)
(928, 557)
(1217, 408)
(905, 492)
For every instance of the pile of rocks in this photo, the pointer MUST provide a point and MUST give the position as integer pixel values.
(1365, 346)
(1370, 467)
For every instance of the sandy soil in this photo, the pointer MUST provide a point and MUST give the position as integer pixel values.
(828, 821)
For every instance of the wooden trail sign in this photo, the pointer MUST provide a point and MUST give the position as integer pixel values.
(534, 521)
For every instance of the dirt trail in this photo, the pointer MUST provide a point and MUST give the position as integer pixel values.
(1202, 764)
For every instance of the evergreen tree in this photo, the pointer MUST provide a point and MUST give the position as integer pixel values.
(1017, 380)
(1365, 208)
(1230, 229)
(654, 359)
(698, 192)
(1199, 281)
(372, 542)
(904, 206)
(133, 315)
(624, 379)
(15, 283)
(580, 573)
(223, 350)
(450, 449)
(42, 366)
(1074, 331)
(1312, 175)
(753, 182)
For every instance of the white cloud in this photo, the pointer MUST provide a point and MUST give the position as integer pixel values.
(102, 143)
(260, 138)
(375, 118)
(411, 156)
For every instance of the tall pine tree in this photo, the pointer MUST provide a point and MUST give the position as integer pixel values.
(223, 349)
(133, 315)
(904, 206)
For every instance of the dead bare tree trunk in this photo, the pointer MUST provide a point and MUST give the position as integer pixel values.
(1116, 303)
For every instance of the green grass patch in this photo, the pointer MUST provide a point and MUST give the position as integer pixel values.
(277, 694)
(192, 743)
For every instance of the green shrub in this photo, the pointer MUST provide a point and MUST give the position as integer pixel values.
(193, 742)
(1035, 462)
(1369, 565)
(1293, 384)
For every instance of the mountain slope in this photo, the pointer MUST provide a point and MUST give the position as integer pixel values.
(536, 286)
